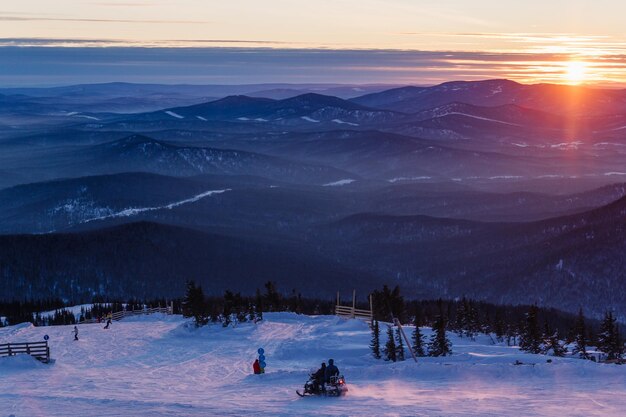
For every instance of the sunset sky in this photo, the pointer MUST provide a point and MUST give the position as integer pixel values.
(360, 41)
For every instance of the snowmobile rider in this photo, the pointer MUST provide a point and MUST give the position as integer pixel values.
(319, 377)
(331, 370)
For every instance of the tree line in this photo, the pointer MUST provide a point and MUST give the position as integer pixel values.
(535, 330)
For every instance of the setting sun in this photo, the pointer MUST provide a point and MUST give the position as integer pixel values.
(575, 71)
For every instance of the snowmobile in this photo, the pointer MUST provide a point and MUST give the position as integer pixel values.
(335, 388)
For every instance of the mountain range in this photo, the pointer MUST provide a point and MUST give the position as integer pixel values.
(492, 189)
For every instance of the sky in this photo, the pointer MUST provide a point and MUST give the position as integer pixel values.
(45, 42)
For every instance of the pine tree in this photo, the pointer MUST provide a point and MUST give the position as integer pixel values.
(375, 345)
(194, 304)
(390, 346)
(580, 337)
(499, 327)
(439, 344)
(609, 340)
(399, 345)
(258, 308)
(460, 322)
(272, 296)
(473, 327)
(418, 342)
(552, 343)
(417, 339)
(531, 336)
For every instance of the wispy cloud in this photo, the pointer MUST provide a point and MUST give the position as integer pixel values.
(46, 18)
(50, 65)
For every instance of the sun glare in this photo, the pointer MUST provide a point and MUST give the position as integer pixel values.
(575, 71)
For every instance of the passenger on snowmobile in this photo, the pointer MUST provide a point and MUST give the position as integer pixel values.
(335, 387)
(319, 376)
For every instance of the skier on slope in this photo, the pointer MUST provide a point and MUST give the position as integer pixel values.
(108, 323)
(75, 333)
(256, 367)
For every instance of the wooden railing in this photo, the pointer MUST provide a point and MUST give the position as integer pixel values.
(39, 350)
(355, 313)
(352, 311)
(119, 315)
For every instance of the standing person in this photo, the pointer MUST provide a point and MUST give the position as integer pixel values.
(75, 333)
(256, 367)
(108, 323)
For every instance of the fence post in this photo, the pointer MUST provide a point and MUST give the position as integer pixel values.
(408, 344)
(353, 302)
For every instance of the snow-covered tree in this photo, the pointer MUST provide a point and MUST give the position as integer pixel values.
(399, 345)
(580, 337)
(375, 345)
(418, 342)
(530, 338)
(609, 340)
(552, 345)
(439, 344)
(390, 346)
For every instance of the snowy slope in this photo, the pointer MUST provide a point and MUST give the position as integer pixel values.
(156, 366)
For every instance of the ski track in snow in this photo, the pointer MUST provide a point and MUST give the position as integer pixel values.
(158, 366)
(176, 115)
(309, 119)
(339, 183)
(133, 211)
(480, 118)
(341, 122)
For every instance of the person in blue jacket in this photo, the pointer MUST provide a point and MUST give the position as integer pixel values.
(331, 370)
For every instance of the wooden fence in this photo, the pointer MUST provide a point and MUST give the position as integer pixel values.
(39, 350)
(352, 311)
(119, 315)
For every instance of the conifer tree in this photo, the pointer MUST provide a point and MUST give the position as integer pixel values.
(272, 296)
(499, 327)
(418, 342)
(194, 304)
(580, 337)
(375, 345)
(460, 322)
(390, 346)
(258, 308)
(609, 340)
(530, 337)
(439, 344)
(399, 345)
(471, 314)
(552, 343)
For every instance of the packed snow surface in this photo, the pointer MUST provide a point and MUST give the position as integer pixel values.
(309, 119)
(161, 366)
